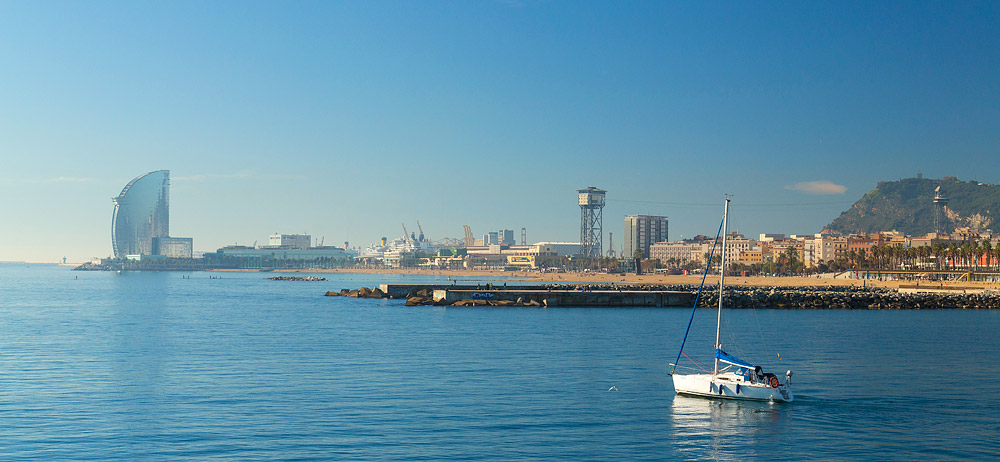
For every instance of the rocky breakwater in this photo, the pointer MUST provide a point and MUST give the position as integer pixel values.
(296, 278)
(363, 292)
(424, 297)
(845, 298)
(837, 298)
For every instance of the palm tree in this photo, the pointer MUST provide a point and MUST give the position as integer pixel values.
(968, 250)
(925, 252)
(937, 249)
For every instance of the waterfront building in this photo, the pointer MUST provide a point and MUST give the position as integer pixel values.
(751, 257)
(676, 253)
(491, 238)
(772, 251)
(141, 213)
(819, 248)
(498, 256)
(237, 256)
(862, 245)
(558, 249)
(173, 247)
(290, 241)
(642, 231)
(736, 244)
(840, 248)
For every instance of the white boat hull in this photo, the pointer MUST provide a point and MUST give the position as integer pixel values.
(729, 386)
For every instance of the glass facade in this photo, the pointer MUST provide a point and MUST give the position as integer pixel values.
(141, 213)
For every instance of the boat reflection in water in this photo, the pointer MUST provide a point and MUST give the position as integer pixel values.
(724, 429)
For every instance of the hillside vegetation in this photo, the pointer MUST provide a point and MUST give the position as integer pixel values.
(907, 206)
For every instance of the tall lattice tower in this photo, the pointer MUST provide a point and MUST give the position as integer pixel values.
(591, 202)
(940, 201)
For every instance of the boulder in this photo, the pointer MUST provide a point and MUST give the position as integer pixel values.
(333, 294)
(418, 301)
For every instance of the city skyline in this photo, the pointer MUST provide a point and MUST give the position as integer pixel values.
(345, 120)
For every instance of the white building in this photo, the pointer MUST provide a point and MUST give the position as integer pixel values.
(679, 252)
(290, 241)
(736, 244)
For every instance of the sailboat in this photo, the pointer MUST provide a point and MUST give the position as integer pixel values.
(732, 377)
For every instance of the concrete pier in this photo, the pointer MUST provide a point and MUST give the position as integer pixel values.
(403, 290)
(570, 298)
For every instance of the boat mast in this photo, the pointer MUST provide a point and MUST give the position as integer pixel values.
(722, 279)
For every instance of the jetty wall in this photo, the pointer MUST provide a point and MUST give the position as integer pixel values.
(676, 295)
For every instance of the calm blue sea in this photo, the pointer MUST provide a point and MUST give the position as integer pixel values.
(165, 366)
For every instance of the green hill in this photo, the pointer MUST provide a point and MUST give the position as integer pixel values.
(908, 206)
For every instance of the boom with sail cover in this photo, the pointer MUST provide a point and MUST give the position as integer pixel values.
(727, 358)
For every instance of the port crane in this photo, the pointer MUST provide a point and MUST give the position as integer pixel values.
(420, 237)
(469, 239)
(406, 234)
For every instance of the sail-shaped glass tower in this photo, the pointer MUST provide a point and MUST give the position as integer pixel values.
(142, 212)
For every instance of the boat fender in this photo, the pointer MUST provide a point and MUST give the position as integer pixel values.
(737, 388)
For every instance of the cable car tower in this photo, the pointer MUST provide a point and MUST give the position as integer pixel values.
(940, 202)
(591, 202)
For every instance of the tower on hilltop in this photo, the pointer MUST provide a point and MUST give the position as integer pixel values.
(591, 201)
(940, 202)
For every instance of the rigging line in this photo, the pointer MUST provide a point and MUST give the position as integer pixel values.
(692, 362)
(695, 204)
(698, 296)
(761, 332)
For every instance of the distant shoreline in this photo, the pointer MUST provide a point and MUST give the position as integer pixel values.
(631, 278)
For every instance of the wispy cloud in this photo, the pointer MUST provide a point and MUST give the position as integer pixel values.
(212, 176)
(68, 179)
(818, 187)
(201, 177)
(60, 179)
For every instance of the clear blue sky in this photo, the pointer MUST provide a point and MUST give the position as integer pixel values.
(345, 119)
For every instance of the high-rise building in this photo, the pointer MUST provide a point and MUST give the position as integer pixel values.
(506, 236)
(642, 231)
(142, 212)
